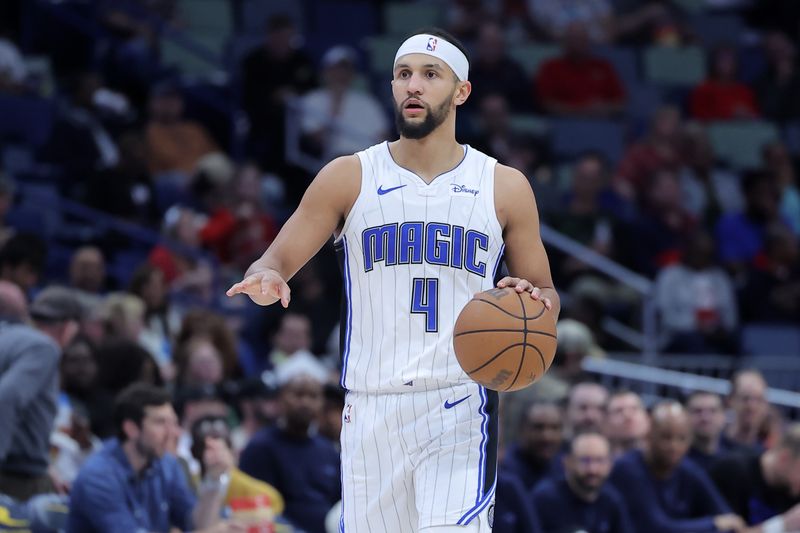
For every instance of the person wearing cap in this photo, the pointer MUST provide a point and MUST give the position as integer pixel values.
(421, 223)
(302, 465)
(337, 118)
(29, 364)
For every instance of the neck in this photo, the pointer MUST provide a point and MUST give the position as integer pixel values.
(768, 470)
(137, 461)
(297, 431)
(581, 492)
(743, 433)
(658, 470)
(433, 155)
(707, 445)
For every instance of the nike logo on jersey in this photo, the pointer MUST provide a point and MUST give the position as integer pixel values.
(382, 191)
(448, 405)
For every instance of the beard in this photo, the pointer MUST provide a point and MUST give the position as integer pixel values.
(420, 130)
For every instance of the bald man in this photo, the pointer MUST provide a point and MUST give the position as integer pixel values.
(665, 492)
(13, 304)
(87, 270)
(748, 402)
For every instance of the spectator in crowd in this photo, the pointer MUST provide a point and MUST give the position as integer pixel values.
(302, 466)
(293, 335)
(763, 487)
(272, 75)
(493, 71)
(123, 316)
(513, 512)
(657, 237)
(707, 418)
(579, 83)
(162, 320)
(575, 343)
(13, 70)
(465, 18)
(722, 96)
(125, 190)
(552, 18)
(708, 189)
(241, 486)
(696, 301)
(13, 303)
(539, 440)
(198, 362)
(778, 161)
(202, 326)
(337, 118)
(239, 230)
(740, 235)
(664, 491)
(750, 424)
(330, 423)
(22, 259)
(778, 88)
(7, 190)
(29, 360)
(87, 270)
(586, 409)
(133, 484)
(80, 142)
(660, 149)
(777, 281)
(582, 500)
(627, 423)
(174, 144)
(312, 290)
(78, 383)
(258, 407)
(193, 402)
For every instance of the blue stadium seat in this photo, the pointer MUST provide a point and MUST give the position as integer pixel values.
(739, 143)
(715, 29)
(791, 136)
(770, 339)
(643, 100)
(343, 22)
(571, 137)
(685, 66)
(625, 62)
(25, 120)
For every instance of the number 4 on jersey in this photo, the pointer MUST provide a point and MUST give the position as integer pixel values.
(425, 301)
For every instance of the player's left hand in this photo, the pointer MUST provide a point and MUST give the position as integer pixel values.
(523, 285)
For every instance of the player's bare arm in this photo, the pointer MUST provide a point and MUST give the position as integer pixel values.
(321, 213)
(526, 257)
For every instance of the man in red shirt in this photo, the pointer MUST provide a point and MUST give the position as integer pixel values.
(578, 83)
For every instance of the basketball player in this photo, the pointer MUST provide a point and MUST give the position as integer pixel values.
(421, 225)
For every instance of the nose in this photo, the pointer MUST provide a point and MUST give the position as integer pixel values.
(415, 84)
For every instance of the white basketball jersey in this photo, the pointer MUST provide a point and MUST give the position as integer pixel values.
(413, 254)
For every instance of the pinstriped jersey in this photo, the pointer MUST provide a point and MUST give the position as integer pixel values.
(412, 255)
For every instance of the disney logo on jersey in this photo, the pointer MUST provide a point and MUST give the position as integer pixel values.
(455, 188)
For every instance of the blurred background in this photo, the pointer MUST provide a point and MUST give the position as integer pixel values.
(151, 149)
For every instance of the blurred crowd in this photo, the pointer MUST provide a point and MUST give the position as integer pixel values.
(119, 352)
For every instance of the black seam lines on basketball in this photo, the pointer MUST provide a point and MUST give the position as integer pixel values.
(490, 361)
(499, 308)
(524, 341)
(531, 331)
(500, 330)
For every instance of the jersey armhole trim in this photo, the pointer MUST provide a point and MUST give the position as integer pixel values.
(363, 161)
(491, 173)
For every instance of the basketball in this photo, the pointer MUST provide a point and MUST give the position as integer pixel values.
(504, 340)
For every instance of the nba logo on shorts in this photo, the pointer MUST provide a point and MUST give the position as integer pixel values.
(431, 44)
(347, 413)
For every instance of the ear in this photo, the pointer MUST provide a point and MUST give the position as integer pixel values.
(130, 429)
(463, 91)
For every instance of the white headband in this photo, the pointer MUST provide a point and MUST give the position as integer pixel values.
(436, 47)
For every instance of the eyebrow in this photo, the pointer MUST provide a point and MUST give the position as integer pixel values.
(435, 66)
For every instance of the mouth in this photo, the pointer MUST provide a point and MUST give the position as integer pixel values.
(413, 107)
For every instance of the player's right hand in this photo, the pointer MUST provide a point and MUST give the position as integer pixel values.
(264, 287)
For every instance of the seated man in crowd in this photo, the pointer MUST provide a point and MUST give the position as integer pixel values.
(627, 423)
(133, 484)
(290, 456)
(540, 437)
(665, 492)
(586, 408)
(750, 425)
(582, 500)
(764, 488)
(707, 417)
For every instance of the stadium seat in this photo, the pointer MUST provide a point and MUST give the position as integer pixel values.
(400, 19)
(770, 339)
(643, 100)
(530, 124)
(674, 66)
(531, 56)
(739, 143)
(342, 22)
(188, 62)
(256, 13)
(571, 137)
(791, 136)
(624, 61)
(716, 29)
(26, 120)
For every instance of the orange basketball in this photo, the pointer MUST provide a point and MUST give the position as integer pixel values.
(505, 340)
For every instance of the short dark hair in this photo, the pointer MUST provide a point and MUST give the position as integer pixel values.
(24, 249)
(132, 402)
(697, 393)
(582, 434)
(442, 34)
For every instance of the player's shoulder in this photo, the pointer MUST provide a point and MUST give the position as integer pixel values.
(510, 178)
